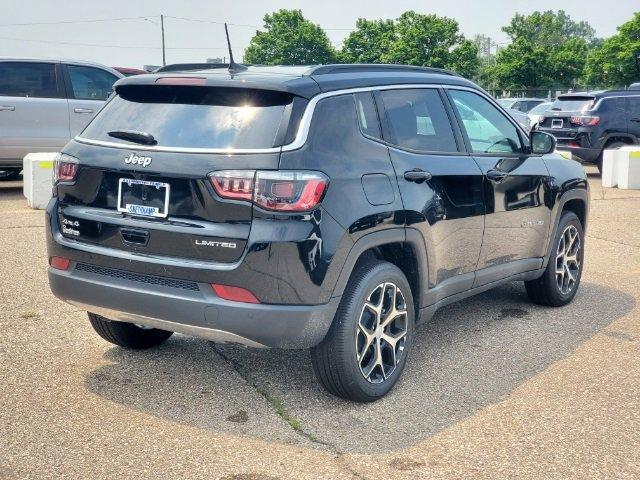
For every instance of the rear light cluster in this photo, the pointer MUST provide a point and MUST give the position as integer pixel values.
(282, 191)
(65, 168)
(584, 121)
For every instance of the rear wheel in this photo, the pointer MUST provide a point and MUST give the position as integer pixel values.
(13, 174)
(127, 335)
(560, 281)
(366, 349)
(610, 146)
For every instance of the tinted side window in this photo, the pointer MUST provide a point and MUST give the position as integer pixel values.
(367, 115)
(90, 83)
(23, 79)
(488, 129)
(633, 107)
(417, 120)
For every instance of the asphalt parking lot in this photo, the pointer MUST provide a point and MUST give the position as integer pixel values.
(495, 388)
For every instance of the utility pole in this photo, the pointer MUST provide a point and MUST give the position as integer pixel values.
(164, 58)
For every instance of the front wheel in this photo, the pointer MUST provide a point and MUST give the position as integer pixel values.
(366, 349)
(560, 281)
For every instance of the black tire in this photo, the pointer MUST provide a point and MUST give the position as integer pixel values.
(335, 360)
(610, 146)
(9, 175)
(546, 289)
(127, 335)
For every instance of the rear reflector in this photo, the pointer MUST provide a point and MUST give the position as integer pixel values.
(59, 263)
(193, 81)
(235, 294)
(284, 191)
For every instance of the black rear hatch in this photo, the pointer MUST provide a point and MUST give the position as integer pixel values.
(557, 120)
(149, 191)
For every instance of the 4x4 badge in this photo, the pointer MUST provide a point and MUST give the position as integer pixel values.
(134, 159)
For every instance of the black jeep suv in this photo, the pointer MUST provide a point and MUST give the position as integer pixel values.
(587, 124)
(331, 207)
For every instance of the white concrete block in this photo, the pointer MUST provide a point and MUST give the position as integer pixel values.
(609, 168)
(628, 168)
(38, 178)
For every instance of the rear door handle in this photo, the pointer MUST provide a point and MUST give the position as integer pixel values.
(417, 175)
(496, 175)
(83, 110)
(7, 108)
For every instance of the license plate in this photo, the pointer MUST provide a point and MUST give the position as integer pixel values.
(144, 198)
(557, 123)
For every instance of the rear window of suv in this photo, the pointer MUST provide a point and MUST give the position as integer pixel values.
(195, 117)
(572, 104)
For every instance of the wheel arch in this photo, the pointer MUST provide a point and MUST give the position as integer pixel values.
(404, 248)
(576, 201)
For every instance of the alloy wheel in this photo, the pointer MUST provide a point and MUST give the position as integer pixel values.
(568, 260)
(381, 333)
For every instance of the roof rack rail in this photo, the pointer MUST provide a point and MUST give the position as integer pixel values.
(184, 67)
(375, 67)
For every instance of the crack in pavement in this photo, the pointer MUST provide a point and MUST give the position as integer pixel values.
(283, 413)
(613, 241)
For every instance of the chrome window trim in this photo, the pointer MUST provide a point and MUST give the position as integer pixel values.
(298, 142)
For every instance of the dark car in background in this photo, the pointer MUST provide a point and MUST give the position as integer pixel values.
(586, 124)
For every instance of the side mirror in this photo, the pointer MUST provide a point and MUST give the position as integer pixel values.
(542, 143)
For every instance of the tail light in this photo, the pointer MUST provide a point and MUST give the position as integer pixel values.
(584, 121)
(283, 191)
(65, 168)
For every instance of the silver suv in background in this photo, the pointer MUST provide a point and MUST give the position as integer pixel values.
(44, 103)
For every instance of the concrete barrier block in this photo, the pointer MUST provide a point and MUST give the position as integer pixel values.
(38, 178)
(628, 168)
(609, 168)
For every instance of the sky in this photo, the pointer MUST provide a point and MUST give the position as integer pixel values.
(194, 30)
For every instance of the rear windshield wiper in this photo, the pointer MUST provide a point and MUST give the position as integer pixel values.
(143, 138)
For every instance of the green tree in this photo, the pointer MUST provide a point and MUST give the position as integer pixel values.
(613, 64)
(433, 41)
(546, 49)
(289, 39)
(412, 39)
(464, 59)
(370, 42)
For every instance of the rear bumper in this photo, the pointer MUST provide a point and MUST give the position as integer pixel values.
(583, 155)
(195, 310)
(10, 163)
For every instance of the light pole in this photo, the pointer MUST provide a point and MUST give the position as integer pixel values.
(164, 58)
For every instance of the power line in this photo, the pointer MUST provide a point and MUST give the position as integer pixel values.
(200, 20)
(108, 46)
(64, 22)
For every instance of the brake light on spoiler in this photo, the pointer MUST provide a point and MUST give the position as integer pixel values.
(283, 191)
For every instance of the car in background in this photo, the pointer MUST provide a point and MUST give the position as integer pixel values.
(634, 86)
(521, 118)
(537, 112)
(587, 123)
(128, 71)
(523, 105)
(45, 103)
